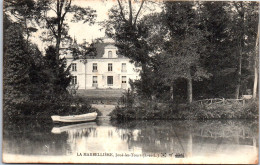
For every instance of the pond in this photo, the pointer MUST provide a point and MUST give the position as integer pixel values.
(102, 141)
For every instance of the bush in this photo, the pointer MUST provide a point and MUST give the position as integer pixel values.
(77, 106)
(152, 110)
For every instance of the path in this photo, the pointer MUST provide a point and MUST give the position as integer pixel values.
(105, 109)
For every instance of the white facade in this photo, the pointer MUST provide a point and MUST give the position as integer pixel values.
(108, 70)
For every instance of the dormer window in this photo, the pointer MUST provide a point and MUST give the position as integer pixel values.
(110, 54)
(110, 51)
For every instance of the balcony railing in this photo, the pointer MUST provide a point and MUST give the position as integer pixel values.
(94, 85)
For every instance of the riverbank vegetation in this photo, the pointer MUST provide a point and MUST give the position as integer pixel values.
(189, 51)
(192, 111)
(131, 108)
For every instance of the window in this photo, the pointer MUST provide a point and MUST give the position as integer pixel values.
(94, 67)
(110, 67)
(94, 79)
(74, 80)
(110, 80)
(123, 67)
(123, 79)
(109, 54)
(74, 67)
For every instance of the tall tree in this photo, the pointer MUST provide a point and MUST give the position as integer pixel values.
(128, 32)
(181, 56)
(16, 63)
(54, 12)
(243, 31)
(218, 58)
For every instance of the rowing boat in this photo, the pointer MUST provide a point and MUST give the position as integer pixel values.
(75, 118)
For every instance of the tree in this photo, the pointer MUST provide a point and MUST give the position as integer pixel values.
(59, 74)
(218, 57)
(126, 27)
(243, 31)
(52, 16)
(54, 12)
(23, 12)
(128, 32)
(16, 63)
(181, 55)
(190, 41)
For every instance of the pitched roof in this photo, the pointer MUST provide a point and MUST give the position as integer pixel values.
(100, 48)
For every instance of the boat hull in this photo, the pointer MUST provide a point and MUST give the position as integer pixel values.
(75, 118)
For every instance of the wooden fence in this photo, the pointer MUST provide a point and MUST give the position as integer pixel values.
(220, 101)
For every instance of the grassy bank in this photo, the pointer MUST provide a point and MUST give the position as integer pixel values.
(101, 96)
(194, 111)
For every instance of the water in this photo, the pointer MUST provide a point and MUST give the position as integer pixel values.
(132, 141)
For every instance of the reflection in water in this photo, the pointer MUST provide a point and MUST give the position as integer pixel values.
(190, 138)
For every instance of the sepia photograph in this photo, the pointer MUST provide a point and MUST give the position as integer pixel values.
(130, 81)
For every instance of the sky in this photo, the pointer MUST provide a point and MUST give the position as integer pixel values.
(84, 31)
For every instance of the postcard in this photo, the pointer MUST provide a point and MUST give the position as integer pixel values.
(129, 81)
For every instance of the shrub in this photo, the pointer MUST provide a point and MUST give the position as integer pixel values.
(152, 110)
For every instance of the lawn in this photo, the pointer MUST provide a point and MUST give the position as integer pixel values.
(104, 95)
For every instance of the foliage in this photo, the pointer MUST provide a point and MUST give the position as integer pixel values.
(210, 45)
(24, 12)
(53, 16)
(17, 63)
(77, 106)
(35, 85)
(128, 98)
(59, 74)
(151, 110)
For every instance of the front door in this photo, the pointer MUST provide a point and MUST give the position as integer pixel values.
(110, 80)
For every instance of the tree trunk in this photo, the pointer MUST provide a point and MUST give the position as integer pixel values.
(58, 40)
(241, 45)
(238, 74)
(256, 78)
(189, 90)
(256, 62)
(58, 47)
(85, 75)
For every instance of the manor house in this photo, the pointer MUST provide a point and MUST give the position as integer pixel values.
(107, 69)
